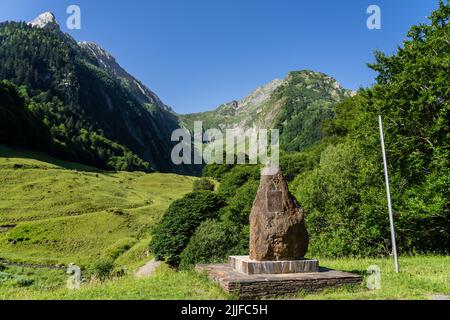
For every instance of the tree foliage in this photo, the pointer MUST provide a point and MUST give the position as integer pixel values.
(203, 184)
(228, 233)
(339, 181)
(19, 125)
(92, 115)
(344, 194)
(180, 221)
(308, 99)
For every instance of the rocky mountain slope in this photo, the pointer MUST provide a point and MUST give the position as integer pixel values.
(247, 113)
(107, 62)
(296, 105)
(47, 21)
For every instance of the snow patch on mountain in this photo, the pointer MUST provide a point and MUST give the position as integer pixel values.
(47, 21)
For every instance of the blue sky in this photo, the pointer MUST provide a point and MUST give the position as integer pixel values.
(198, 54)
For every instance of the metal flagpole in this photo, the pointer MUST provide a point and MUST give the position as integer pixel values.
(388, 191)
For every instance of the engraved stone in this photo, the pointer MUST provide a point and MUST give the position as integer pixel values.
(277, 227)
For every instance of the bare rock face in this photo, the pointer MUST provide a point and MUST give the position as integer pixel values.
(277, 226)
(46, 21)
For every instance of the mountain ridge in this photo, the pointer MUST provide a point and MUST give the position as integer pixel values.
(297, 105)
(98, 95)
(109, 63)
(98, 114)
(106, 60)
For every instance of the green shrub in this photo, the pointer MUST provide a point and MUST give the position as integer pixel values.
(203, 184)
(238, 207)
(120, 247)
(102, 269)
(215, 240)
(216, 171)
(180, 221)
(15, 280)
(237, 177)
(293, 164)
(210, 243)
(24, 282)
(341, 220)
(4, 277)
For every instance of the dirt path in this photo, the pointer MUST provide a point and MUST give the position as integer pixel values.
(148, 269)
(439, 297)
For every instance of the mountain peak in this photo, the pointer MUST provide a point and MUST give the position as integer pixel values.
(46, 20)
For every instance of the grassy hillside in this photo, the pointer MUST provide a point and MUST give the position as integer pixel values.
(55, 212)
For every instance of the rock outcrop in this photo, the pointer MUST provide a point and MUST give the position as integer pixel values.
(277, 227)
(46, 21)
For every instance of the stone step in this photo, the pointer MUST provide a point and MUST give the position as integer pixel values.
(248, 266)
(246, 286)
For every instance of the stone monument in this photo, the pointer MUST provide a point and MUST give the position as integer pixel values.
(278, 245)
(277, 225)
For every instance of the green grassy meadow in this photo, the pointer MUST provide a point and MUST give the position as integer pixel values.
(53, 213)
(421, 278)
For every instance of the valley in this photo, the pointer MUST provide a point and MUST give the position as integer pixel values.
(87, 177)
(62, 212)
(56, 212)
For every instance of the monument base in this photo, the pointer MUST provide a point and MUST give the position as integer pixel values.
(251, 286)
(248, 266)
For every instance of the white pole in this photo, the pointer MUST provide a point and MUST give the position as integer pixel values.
(388, 191)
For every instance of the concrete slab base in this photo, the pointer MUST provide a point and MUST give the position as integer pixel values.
(246, 286)
(248, 266)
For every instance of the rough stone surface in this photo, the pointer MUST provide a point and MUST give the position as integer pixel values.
(46, 21)
(248, 266)
(262, 286)
(277, 227)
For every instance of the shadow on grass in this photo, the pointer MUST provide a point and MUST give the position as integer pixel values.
(361, 273)
(20, 153)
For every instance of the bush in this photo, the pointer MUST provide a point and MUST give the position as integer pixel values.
(344, 204)
(203, 184)
(24, 282)
(293, 164)
(15, 280)
(210, 243)
(216, 171)
(237, 177)
(180, 221)
(120, 247)
(238, 209)
(215, 240)
(4, 277)
(102, 269)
